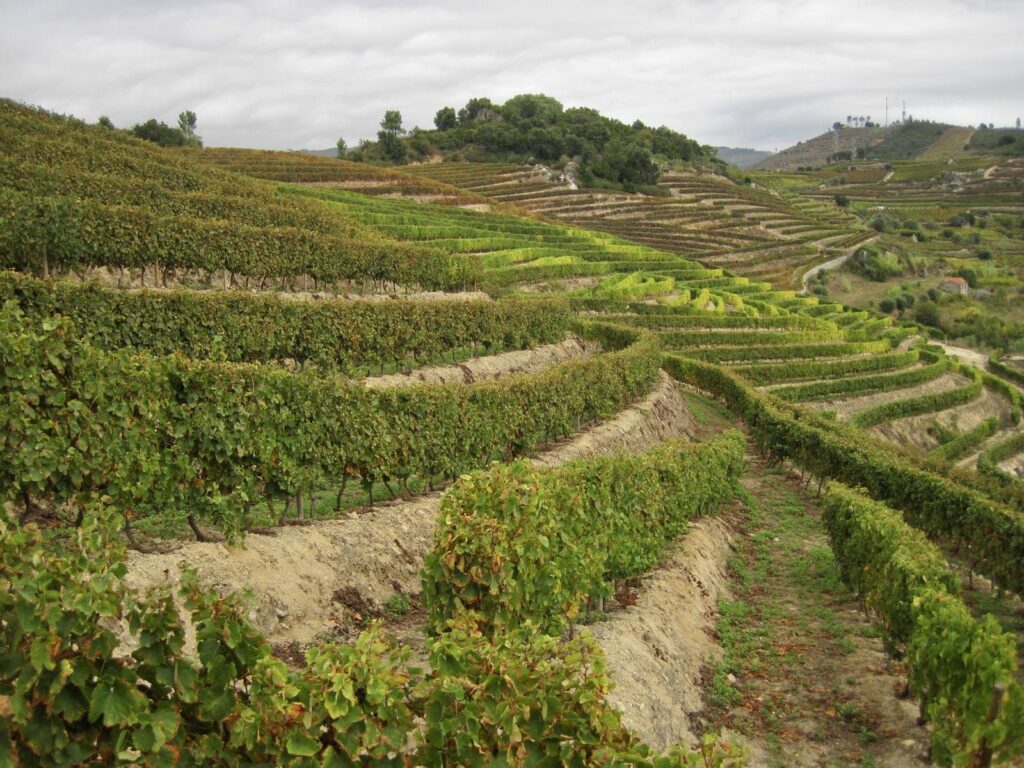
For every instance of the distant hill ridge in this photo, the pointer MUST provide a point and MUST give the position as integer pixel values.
(912, 140)
(817, 151)
(742, 157)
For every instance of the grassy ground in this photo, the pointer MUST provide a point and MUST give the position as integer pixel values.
(711, 416)
(803, 676)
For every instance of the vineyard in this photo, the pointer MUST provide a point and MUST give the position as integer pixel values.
(314, 463)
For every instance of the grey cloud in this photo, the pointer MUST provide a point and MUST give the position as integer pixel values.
(272, 73)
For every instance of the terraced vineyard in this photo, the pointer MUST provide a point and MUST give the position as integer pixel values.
(751, 231)
(438, 441)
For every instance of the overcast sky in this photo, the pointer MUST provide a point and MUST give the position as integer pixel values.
(268, 73)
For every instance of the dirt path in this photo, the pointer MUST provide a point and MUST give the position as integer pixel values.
(964, 355)
(803, 680)
(490, 367)
(304, 577)
(838, 261)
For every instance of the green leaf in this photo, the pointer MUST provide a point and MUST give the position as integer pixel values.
(302, 745)
(116, 703)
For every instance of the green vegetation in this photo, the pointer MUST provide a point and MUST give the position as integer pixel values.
(178, 437)
(907, 140)
(1003, 141)
(529, 127)
(212, 399)
(988, 533)
(347, 336)
(964, 670)
(531, 545)
(75, 701)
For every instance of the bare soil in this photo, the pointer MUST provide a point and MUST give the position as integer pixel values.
(913, 430)
(656, 650)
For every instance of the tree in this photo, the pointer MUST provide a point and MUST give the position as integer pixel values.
(887, 305)
(392, 122)
(187, 122)
(469, 112)
(927, 314)
(842, 201)
(106, 122)
(342, 147)
(446, 119)
(389, 136)
(159, 133)
(631, 162)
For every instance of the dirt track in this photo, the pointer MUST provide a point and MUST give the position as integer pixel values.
(297, 572)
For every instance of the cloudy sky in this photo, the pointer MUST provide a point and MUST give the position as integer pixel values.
(270, 73)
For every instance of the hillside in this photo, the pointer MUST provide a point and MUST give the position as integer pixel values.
(742, 157)
(479, 444)
(818, 150)
(599, 151)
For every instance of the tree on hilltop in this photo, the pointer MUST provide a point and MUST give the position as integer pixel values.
(342, 147)
(473, 107)
(446, 119)
(187, 122)
(389, 136)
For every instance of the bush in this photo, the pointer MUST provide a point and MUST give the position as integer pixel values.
(875, 264)
(842, 201)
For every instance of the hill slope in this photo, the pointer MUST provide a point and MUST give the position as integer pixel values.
(742, 157)
(817, 151)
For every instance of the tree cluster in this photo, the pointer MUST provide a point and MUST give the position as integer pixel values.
(182, 135)
(537, 128)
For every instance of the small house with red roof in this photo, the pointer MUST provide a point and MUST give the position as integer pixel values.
(955, 285)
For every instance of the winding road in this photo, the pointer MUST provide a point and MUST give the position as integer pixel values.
(838, 261)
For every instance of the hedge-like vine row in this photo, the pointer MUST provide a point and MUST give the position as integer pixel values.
(986, 533)
(919, 404)
(859, 385)
(1005, 370)
(962, 444)
(244, 327)
(763, 338)
(519, 544)
(988, 461)
(44, 233)
(963, 669)
(76, 700)
(755, 352)
(668, 319)
(771, 373)
(173, 435)
(211, 201)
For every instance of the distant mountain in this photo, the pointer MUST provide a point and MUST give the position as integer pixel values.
(742, 157)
